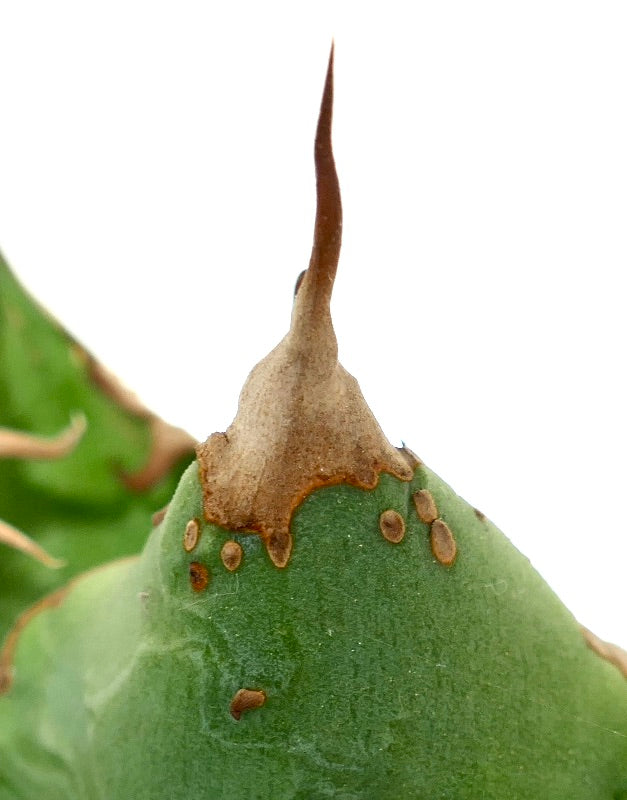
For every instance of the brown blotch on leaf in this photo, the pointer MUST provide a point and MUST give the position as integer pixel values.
(191, 535)
(480, 515)
(425, 506)
(198, 576)
(231, 555)
(302, 422)
(608, 651)
(392, 526)
(443, 544)
(245, 700)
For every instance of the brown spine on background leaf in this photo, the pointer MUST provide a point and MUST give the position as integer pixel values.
(28, 446)
(302, 421)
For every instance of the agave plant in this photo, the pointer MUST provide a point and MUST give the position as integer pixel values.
(312, 613)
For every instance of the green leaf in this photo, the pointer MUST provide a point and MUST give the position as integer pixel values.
(386, 674)
(317, 615)
(81, 508)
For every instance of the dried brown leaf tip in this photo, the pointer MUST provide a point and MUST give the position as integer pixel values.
(302, 421)
(245, 700)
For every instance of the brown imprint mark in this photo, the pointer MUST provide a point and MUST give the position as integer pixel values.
(159, 516)
(245, 700)
(392, 526)
(480, 515)
(198, 576)
(425, 506)
(610, 652)
(191, 535)
(231, 555)
(443, 544)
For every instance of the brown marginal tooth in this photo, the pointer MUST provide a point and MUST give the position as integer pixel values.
(17, 444)
(20, 541)
(159, 516)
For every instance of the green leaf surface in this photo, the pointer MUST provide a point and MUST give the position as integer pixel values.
(387, 675)
(78, 508)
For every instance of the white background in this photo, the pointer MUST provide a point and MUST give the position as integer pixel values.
(157, 193)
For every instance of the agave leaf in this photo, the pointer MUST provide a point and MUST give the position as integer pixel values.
(378, 671)
(83, 496)
(360, 631)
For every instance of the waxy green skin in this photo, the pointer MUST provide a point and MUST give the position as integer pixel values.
(387, 675)
(378, 672)
(78, 508)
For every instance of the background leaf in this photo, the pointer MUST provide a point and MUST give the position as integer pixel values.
(79, 508)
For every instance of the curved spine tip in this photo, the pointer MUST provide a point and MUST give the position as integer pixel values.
(314, 296)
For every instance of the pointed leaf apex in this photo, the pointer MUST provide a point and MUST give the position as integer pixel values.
(312, 304)
(302, 422)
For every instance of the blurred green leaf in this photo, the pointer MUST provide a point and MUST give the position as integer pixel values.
(94, 504)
